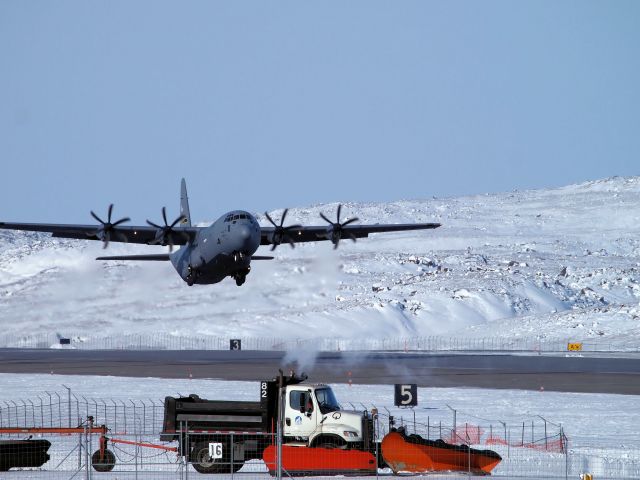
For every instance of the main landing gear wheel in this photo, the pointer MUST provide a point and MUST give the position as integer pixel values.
(105, 464)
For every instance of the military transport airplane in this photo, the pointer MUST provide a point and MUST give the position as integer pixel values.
(223, 249)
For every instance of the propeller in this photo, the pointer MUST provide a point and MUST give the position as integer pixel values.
(108, 228)
(336, 231)
(280, 233)
(165, 233)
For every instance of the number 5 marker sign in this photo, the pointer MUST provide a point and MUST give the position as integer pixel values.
(406, 395)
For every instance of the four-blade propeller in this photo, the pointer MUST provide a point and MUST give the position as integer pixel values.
(165, 234)
(108, 228)
(336, 229)
(280, 233)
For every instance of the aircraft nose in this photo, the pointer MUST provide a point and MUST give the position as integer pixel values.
(244, 233)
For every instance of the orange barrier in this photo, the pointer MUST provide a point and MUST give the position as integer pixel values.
(320, 461)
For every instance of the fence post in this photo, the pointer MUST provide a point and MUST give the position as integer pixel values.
(50, 409)
(231, 455)
(69, 402)
(41, 413)
(414, 420)
(565, 441)
(115, 415)
(546, 445)
(454, 423)
(90, 447)
(375, 425)
(59, 409)
(124, 415)
(533, 441)
(279, 438)
(80, 451)
(187, 445)
(33, 413)
(24, 406)
(86, 452)
(136, 436)
(106, 416)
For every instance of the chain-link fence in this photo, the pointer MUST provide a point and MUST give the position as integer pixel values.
(64, 436)
(79, 455)
(167, 341)
(66, 409)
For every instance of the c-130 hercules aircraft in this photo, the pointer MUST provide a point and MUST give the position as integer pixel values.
(223, 249)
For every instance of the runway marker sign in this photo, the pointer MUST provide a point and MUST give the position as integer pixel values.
(406, 395)
(215, 450)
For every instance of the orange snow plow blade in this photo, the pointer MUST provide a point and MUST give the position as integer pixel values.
(320, 461)
(415, 454)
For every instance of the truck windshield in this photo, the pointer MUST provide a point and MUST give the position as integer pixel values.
(326, 400)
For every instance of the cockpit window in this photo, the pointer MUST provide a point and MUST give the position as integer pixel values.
(241, 216)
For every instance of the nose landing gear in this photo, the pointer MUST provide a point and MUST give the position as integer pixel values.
(241, 276)
(192, 274)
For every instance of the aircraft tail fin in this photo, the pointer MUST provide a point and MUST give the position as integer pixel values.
(184, 205)
(156, 258)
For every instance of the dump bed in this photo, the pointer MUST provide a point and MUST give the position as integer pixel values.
(198, 414)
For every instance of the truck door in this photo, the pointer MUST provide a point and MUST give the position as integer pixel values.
(300, 414)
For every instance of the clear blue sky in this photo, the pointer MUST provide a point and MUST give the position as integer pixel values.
(262, 105)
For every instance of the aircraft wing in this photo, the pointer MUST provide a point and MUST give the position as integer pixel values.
(323, 232)
(122, 233)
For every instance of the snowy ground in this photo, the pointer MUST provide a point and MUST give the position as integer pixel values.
(544, 263)
(602, 429)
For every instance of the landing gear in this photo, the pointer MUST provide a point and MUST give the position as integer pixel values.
(191, 276)
(241, 276)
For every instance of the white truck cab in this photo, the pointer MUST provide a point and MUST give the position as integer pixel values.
(313, 417)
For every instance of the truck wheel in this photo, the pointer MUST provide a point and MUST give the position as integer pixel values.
(203, 463)
(106, 464)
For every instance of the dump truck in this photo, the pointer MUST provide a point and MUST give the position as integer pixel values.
(218, 436)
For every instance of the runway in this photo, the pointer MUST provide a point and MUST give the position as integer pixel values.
(555, 373)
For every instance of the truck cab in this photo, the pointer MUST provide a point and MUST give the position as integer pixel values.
(313, 417)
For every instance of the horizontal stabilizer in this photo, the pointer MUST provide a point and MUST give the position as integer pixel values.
(259, 257)
(162, 257)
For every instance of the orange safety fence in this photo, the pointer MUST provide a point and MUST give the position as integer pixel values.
(467, 433)
(554, 444)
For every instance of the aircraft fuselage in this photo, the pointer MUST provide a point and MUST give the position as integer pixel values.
(221, 250)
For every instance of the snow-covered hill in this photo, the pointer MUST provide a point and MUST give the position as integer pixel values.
(551, 263)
